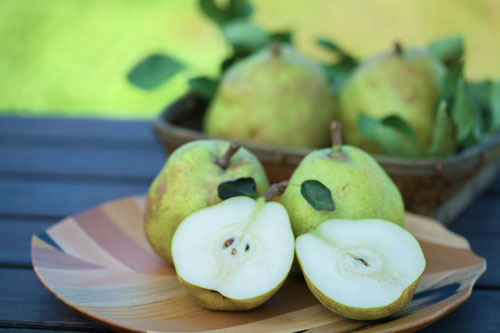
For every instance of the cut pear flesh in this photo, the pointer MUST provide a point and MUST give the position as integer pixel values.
(240, 248)
(361, 269)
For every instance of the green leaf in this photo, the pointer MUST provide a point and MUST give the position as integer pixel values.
(282, 36)
(235, 187)
(154, 70)
(443, 139)
(245, 35)
(367, 126)
(448, 49)
(399, 124)
(462, 114)
(203, 86)
(453, 74)
(339, 73)
(234, 9)
(495, 106)
(333, 47)
(393, 142)
(317, 195)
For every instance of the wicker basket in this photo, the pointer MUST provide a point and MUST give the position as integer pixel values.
(437, 187)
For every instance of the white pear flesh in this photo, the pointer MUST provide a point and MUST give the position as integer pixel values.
(361, 269)
(234, 255)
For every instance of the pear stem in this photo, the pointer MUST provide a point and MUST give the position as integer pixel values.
(398, 49)
(276, 49)
(223, 161)
(336, 136)
(274, 190)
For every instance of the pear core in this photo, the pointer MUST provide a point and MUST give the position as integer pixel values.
(361, 269)
(241, 249)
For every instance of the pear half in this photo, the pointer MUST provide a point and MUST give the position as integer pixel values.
(361, 269)
(234, 255)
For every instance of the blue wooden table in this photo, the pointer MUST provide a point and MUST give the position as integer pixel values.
(53, 167)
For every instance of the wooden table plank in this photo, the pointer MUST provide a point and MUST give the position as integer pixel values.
(30, 305)
(27, 304)
(14, 127)
(98, 162)
(15, 241)
(59, 198)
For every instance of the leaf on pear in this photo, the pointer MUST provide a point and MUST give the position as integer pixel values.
(448, 49)
(462, 113)
(154, 70)
(235, 187)
(443, 139)
(367, 126)
(203, 86)
(317, 195)
(243, 34)
(495, 106)
(339, 72)
(399, 124)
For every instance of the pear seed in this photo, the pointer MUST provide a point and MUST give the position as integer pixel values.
(233, 251)
(228, 242)
(247, 247)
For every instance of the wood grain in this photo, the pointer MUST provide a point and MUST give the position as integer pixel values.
(130, 289)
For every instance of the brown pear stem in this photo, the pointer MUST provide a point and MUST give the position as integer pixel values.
(398, 49)
(336, 135)
(274, 190)
(276, 49)
(223, 161)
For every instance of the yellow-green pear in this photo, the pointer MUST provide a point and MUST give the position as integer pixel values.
(276, 96)
(235, 255)
(189, 181)
(357, 185)
(361, 269)
(403, 82)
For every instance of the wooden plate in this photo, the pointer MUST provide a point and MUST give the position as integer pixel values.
(100, 264)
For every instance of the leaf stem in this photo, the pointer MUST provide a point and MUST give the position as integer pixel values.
(274, 190)
(223, 161)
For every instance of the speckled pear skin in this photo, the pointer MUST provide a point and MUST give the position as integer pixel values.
(360, 189)
(408, 85)
(274, 99)
(188, 182)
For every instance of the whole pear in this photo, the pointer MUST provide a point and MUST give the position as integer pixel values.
(276, 96)
(188, 182)
(403, 82)
(360, 188)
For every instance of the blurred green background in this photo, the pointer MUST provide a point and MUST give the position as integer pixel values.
(71, 57)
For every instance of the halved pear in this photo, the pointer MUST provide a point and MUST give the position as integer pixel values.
(234, 255)
(361, 269)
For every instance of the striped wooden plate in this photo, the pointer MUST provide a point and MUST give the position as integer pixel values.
(100, 264)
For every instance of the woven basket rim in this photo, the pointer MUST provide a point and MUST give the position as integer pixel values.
(471, 158)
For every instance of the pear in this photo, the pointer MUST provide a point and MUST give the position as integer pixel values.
(276, 96)
(361, 269)
(234, 255)
(358, 185)
(189, 182)
(404, 82)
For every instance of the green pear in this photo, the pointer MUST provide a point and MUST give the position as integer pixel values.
(358, 185)
(234, 255)
(188, 182)
(361, 269)
(404, 82)
(276, 96)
